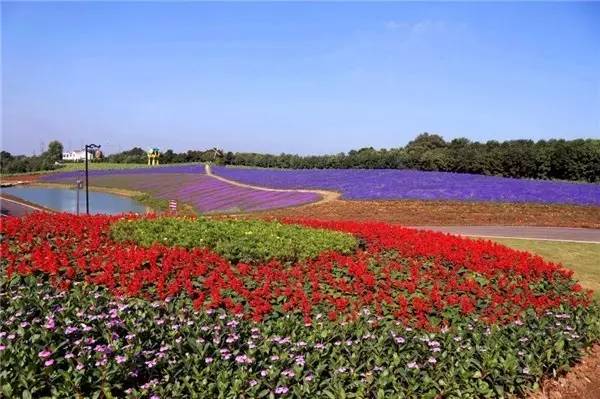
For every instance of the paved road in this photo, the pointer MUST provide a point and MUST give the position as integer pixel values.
(14, 207)
(571, 234)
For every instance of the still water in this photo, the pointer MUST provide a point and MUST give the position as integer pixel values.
(65, 200)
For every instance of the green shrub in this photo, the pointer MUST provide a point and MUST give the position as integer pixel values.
(247, 241)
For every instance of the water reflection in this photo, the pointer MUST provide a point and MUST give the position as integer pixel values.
(65, 200)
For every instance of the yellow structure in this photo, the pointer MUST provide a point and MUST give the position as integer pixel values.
(153, 155)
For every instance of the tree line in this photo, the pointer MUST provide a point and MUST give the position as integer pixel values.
(577, 160)
(47, 160)
(545, 159)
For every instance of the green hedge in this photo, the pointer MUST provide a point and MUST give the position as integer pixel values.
(236, 240)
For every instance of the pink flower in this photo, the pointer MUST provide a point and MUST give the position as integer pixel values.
(49, 362)
(44, 354)
(121, 359)
(50, 324)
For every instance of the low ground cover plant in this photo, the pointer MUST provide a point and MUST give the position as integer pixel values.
(404, 314)
(236, 240)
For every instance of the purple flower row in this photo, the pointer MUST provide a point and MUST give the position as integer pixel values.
(73, 175)
(393, 184)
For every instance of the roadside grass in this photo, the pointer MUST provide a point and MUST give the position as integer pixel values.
(582, 258)
(71, 166)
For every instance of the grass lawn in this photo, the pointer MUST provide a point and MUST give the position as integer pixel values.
(583, 259)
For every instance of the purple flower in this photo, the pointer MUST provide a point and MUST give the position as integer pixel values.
(281, 390)
(120, 359)
(252, 383)
(412, 184)
(243, 359)
(209, 360)
(70, 330)
(50, 324)
(44, 354)
(288, 373)
(2, 347)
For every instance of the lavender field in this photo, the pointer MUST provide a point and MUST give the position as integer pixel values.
(80, 174)
(206, 194)
(388, 184)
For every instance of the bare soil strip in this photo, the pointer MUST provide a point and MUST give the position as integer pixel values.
(581, 382)
(449, 213)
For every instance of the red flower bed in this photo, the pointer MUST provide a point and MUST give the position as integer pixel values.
(422, 278)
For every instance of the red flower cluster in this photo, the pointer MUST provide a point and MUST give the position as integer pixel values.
(414, 275)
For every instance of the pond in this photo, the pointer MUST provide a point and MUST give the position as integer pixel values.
(65, 200)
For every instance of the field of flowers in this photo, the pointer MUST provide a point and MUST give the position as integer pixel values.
(95, 306)
(189, 184)
(388, 184)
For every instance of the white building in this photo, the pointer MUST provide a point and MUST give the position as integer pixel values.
(76, 156)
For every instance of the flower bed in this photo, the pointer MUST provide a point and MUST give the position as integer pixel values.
(389, 184)
(407, 313)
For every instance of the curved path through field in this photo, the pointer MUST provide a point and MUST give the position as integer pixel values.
(326, 196)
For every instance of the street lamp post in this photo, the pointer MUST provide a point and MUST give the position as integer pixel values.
(87, 194)
(78, 187)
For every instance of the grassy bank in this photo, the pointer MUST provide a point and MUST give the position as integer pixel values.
(582, 258)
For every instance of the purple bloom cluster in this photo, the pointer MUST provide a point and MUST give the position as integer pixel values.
(74, 175)
(390, 184)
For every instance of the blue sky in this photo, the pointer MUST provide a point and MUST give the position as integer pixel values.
(296, 77)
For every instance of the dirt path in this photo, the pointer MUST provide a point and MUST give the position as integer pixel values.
(326, 196)
(565, 234)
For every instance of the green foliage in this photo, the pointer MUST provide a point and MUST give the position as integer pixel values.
(236, 240)
(554, 159)
(100, 346)
(55, 151)
(23, 164)
(577, 160)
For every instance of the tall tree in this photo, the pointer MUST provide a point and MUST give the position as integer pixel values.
(54, 152)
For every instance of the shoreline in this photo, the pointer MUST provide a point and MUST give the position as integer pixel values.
(135, 195)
